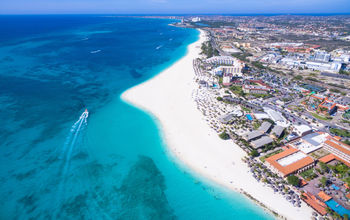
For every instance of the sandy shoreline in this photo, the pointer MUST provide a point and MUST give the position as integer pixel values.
(168, 97)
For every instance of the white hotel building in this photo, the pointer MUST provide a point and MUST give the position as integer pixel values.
(222, 60)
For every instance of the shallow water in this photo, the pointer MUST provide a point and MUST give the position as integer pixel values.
(114, 165)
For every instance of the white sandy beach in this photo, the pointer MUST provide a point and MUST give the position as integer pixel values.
(190, 139)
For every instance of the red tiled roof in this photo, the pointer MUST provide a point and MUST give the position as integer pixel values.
(314, 203)
(291, 168)
(346, 185)
(328, 158)
(337, 138)
(348, 195)
(316, 97)
(345, 162)
(338, 145)
(324, 196)
(303, 183)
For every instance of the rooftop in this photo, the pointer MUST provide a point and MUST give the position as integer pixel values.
(251, 135)
(289, 161)
(260, 115)
(310, 142)
(328, 158)
(265, 127)
(261, 142)
(324, 196)
(302, 128)
(339, 146)
(277, 130)
(292, 158)
(316, 204)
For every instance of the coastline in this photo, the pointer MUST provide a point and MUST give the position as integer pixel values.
(168, 97)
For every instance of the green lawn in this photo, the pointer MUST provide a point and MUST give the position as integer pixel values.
(270, 154)
(237, 90)
(340, 132)
(321, 117)
(246, 109)
(308, 174)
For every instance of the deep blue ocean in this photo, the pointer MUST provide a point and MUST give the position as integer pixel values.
(113, 165)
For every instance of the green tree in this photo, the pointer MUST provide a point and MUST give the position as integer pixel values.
(254, 153)
(324, 181)
(341, 168)
(298, 77)
(323, 167)
(224, 136)
(293, 180)
(219, 98)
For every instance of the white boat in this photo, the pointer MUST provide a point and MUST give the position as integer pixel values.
(85, 114)
(95, 51)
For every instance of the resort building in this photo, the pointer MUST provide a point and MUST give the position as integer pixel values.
(302, 130)
(310, 142)
(277, 131)
(329, 106)
(255, 89)
(235, 70)
(226, 79)
(264, 140)
(252, 135)
(265, 127)
(261, 115)
(339, 149)
(323, 66)
(315, 203)
(277, 117)
(328, 158)
(342, 108)
(196, 19)
(322, 56)
(229, 117)
(226, 65)
(222, 60)
(290, 161)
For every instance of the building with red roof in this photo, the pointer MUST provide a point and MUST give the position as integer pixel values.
(290, 161)
(340, 150)
(315, 203)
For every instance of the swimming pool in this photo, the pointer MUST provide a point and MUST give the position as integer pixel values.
(337, 207)
(335, 187)
(249, 117)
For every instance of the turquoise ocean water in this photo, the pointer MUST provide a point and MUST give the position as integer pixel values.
(114, 165)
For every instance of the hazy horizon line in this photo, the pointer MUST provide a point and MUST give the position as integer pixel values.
(184, 14)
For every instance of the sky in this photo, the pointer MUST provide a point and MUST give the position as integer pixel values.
(172, 6)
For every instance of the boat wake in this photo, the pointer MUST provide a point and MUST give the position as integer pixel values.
(72, 138)
(68, 149)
